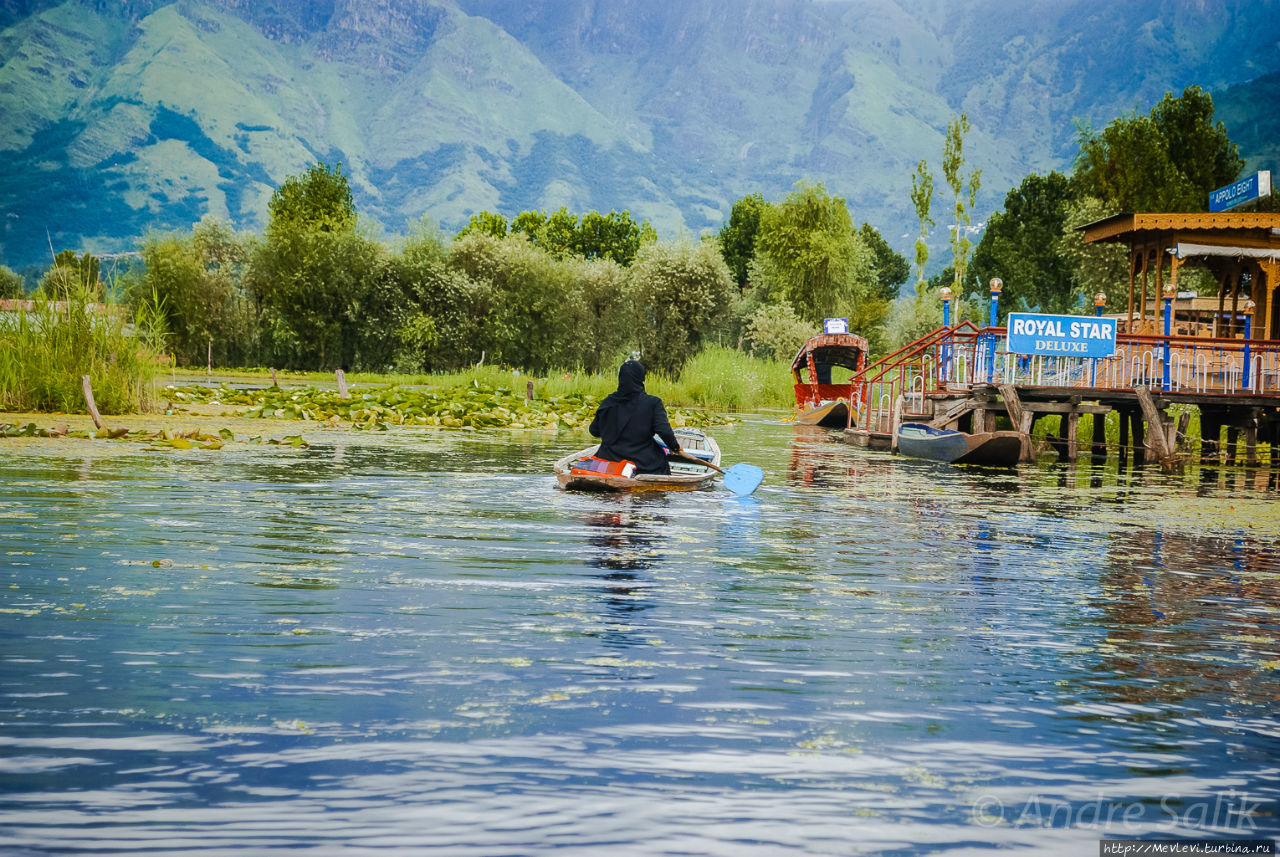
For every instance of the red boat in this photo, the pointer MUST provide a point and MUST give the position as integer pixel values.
(818, 401)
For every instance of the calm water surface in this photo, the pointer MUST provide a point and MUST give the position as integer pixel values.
(415, 642)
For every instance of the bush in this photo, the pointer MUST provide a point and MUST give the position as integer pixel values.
(682, 291)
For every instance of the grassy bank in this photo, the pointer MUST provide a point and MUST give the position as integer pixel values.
(44, 353)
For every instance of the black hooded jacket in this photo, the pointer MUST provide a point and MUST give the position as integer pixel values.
(627, 421)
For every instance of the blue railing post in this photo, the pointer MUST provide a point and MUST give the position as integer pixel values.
(996, 285)
(1249, 307)
(945, 369)
(1170, 291)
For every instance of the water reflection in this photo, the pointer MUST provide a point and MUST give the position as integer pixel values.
(623, 544)
(413, 640)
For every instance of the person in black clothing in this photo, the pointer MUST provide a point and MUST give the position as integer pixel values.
(627, 421)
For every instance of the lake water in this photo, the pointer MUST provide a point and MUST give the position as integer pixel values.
(414, 641)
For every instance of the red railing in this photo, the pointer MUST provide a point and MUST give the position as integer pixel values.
(959, 357)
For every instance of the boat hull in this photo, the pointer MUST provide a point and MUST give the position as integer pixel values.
(830, 415)
(684, 476)
(995, 449)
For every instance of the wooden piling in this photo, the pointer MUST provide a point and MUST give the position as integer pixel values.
(343, 392)
(1098, 446)
(273, 378)
(1178, 431)
(1123, 448)
(1210, 435)
(1251, 438)
(1073, 442)
(528, 390)
(1020, 417)
(1157, 431)
(1233, 436)
(88, 400)
(897, 421)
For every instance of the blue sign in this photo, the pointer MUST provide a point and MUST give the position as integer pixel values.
(835, 325)
(1248, 189)
(1061, 335)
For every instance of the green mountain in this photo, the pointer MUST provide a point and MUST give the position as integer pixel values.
(121, 117)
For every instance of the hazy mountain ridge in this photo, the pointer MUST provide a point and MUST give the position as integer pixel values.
(119, 117)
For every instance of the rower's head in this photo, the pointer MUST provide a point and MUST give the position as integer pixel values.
(631, 377)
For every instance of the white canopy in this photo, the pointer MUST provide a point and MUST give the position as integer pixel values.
(1184, 250)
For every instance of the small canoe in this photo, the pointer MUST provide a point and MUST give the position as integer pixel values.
(993, 448)
(684, 476)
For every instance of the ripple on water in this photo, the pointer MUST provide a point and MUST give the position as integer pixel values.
(369, 645)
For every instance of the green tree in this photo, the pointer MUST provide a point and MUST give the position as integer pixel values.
(1020, 246)
(738, 236)
(1168, 160)
(682, 291)
(535, 307)
(606, 322)
(964, 192)
(775, 331)
(822, 267)
(891, 268)
(310, 276)
(11, 284)
(70, 274)
(487, 222)
(1094, 267)
(192, 304)
(319, 199)
(531, 223)
(922, 202)
(448, 324)
(611, 236)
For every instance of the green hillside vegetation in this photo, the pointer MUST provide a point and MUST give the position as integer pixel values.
(156, 113)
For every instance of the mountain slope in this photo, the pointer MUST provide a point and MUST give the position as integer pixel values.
(119, 117)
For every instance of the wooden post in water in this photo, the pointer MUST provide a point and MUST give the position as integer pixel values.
(1139, 444)
(528, 390)
(1157, 431)
(209, 367)
(1073, 438)
(1098, 446)
(897, 421)
(342, 385)
(88, 400)
(1020, 417)
(1233, 435)
(1251, 438)
(1184, 420)
(1210, 434)
(1123, 447)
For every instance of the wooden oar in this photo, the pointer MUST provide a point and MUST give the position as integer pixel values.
(696, 460)
(740, 479)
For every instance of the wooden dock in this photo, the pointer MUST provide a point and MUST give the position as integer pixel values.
(961, 378)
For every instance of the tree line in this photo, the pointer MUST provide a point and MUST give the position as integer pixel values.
(546, 291)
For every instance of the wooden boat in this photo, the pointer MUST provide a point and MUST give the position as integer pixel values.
(994, 448)
(684, 476)
(818, 401)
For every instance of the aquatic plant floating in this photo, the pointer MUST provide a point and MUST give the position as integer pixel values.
(163, 439)
(471, 406)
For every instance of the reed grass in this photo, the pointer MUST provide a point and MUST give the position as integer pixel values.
(44, 353)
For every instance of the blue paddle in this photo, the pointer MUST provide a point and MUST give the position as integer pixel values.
(741, 479)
